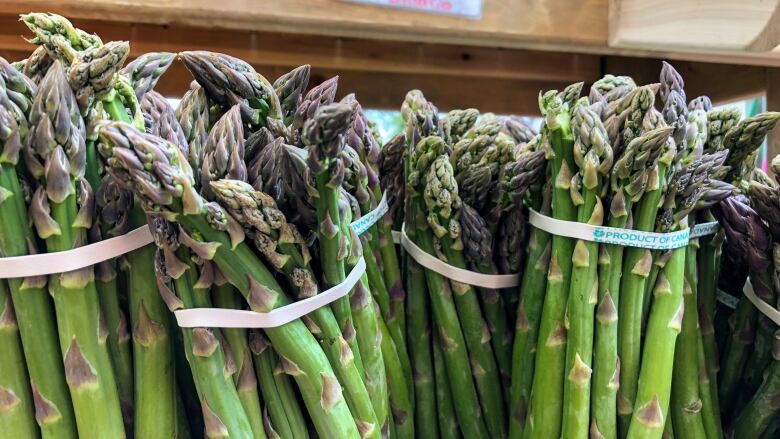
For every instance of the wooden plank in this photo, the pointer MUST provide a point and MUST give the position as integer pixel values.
(338, 53)
(694, 25)
(721, 82)
(773, 104)
(386, 91)
(503, 22)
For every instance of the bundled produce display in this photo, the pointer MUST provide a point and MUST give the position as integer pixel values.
(472, 277)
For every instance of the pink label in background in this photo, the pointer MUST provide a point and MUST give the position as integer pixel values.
(462, 8)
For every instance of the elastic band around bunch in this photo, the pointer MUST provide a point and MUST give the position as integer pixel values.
(74, 259)
(236, 318)
(765, 308)
(609, 235)
(726, 299)
(365, 222)
(433, 263)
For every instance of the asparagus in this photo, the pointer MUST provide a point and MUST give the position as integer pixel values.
(290, 87)
(447, 422)
(126, 148)
(230, 81)
(285, 249)
(34, 311)
(665, 321)
(161, 120)
(442, 204)
(144, 71)
(37, 64)
(283, 414)
(114, 205)
(744, 139)
(629, 180)
(546, 406)
(193, 116)
(529, 311)
(16, 400)
(320, 95)
(445, 316)
(757, 416)
(61, 39)
(184, 287)
(593, 156)
(61, 212)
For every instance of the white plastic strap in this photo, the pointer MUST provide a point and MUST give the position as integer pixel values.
(765, 308)
(704, 229)
(726, 299)
(235, 318)
(609, 235)
(431, 262)
(366, 221)
(77, 258)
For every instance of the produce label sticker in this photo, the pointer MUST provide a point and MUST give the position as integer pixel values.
(366, 221)
(462, 8)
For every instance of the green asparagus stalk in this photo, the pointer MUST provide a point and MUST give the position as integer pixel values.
(114, 206)
(665, 321)
(629, 180)
(546, 406)
(447, 422)
(36, 66)
(529, 312)
(285, 249)
(193, 116)
(329, 173)
(16, 401)
(442, 204)
(283, 413)
(321, 95)
(223, 414)
(236, 343)
(637, 264)
(710, 411)
(757, 416)
(34, 311)
(593, 156)
(144, 71)
(61, 210)
(686, 405)
(445, 316)
(305, 359)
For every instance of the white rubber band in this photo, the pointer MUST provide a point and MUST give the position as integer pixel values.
(366, 221)
(704, 229)
(726, 299)
(77, 258)
(433, 263)
(609, 235)
(236, 318)
(765, 308)
(396, 237)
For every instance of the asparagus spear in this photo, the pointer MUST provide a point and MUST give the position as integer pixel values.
(61, 211)
(290, 87)
(546, 406)
(629, 180)
(285, 249)
(193, 116)
(114, 205)
(666, 315)
(230, 81)
(320, 95)
(183, 287)
(440, 194)
(445, 316)
(594, 158)
(282, 413)
(61, 39)
(36, 66)
(126, 148)
(757, 416)
(34, 311)
(529, 313)
(16, 400)
(144, 71)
